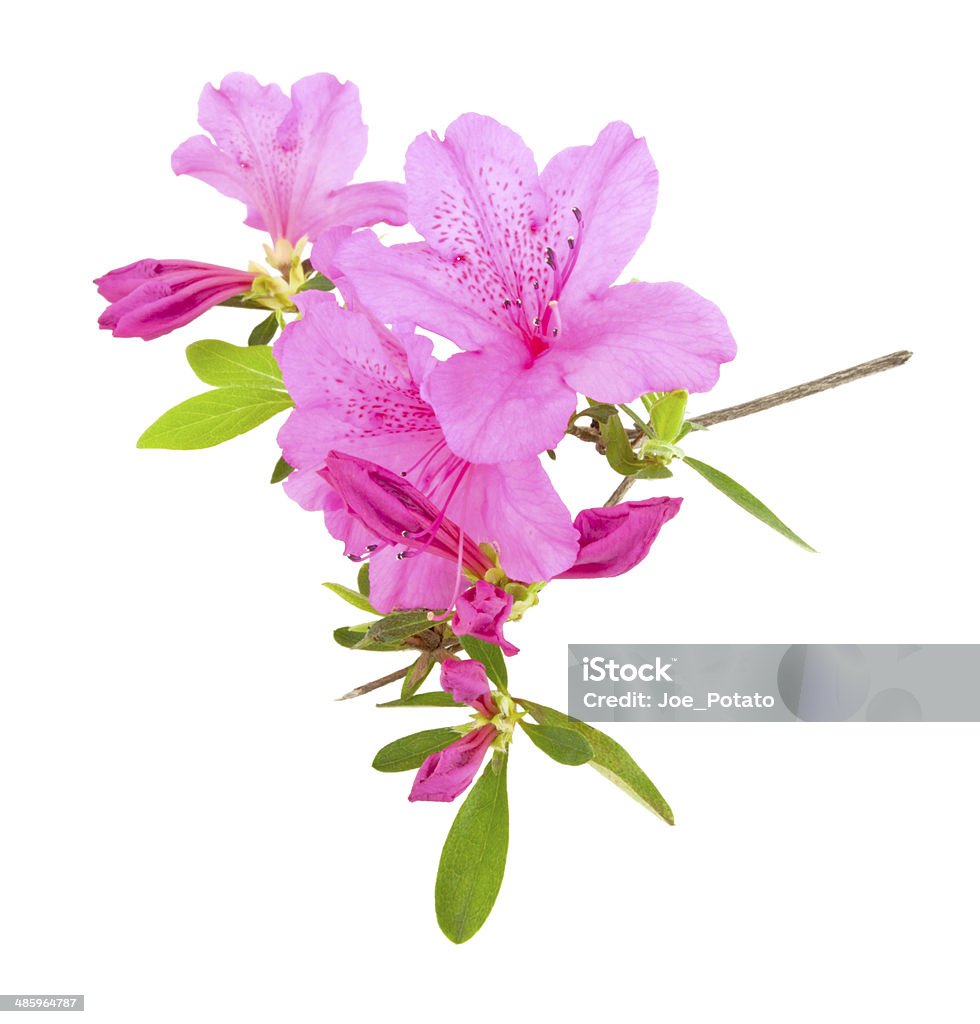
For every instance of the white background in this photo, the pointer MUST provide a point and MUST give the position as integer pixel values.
(190, 829)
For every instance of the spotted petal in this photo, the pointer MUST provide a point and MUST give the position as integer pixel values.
(613, 185)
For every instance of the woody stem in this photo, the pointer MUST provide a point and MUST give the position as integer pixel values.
(734, 412)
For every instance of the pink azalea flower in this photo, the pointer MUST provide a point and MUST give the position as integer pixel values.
(153, 297)
(517, 268)
(289, 159)
(482, 612)
(357, 389)
(613, 540)
(447, 773)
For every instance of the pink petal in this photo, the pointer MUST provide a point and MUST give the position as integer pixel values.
(352, 382)
(644, 337)
(408, 583)
(615, 539)
(514, 506)
(360, 206)
(613, 183)
(310, 491)
(282, 157)
(495, 405)
(413, 282)
(481, 612)
(445, 774)
(467, 682)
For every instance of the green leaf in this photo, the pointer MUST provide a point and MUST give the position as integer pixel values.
(410, 751)
(397, 626)
(417, 674)
(619, 451)
(608, 758)
(491, 656)
(264, 331)
(353, 638)
(566, 746)
(432, 699)
(667, 415)
(282, 470)
(215, 416)
(472, 864)
(364, 579)
(358, 600)
(317, 283)
(744, 499)
(223, 365)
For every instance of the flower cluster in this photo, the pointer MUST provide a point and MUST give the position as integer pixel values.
(430, 469)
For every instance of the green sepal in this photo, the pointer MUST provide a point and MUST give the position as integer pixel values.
(471, 867)
(687, 428)
(214, 417)
(745, 499)
(281, 471)
(223, 365)
(354, 597)
(608, 758)
(402, 755)
(566, 746)
(653, 470)
(619, 451)
(364, 579)
(317, 283)
(598, 411)
(264, 331)
(491, 656)
(667, 415)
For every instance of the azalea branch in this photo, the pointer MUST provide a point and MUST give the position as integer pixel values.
(734, 412)
(813, 387)
(376, 684)
(437, 653)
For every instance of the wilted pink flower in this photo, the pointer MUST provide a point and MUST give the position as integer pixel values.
(445, 774)
(289, 159)
(482, 612)
(357, 390)
(517, 269)
(615, 539)
(153, 297)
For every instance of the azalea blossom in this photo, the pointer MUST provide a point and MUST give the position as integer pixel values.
(518, 268)
(357, 389)
(448, 772)
(289, 159)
